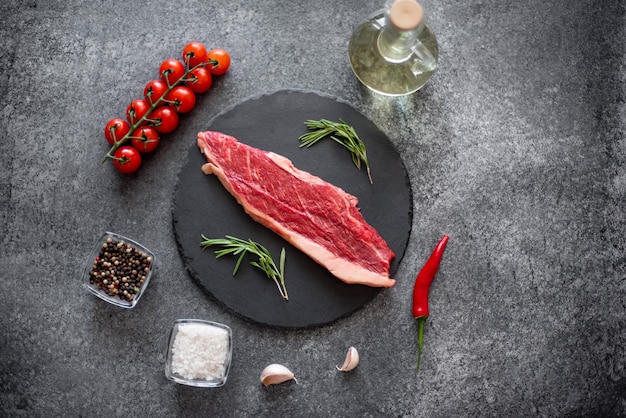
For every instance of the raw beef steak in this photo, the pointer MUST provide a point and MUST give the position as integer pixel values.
(316, 217)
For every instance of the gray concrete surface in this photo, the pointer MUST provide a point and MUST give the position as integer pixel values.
(515, 149)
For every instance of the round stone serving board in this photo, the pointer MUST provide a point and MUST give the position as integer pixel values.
(274, 122)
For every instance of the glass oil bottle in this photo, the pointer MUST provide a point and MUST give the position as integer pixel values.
(394, 52)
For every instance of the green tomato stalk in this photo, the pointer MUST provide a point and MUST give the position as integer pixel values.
(153, 105)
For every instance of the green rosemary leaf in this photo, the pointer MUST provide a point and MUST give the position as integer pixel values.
(282, 261)
(239, 260)
(341, 133)
(240, 247)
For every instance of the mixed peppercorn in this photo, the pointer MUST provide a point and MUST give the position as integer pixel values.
(120, 270)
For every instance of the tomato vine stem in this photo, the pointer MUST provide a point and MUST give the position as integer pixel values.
(170, 86)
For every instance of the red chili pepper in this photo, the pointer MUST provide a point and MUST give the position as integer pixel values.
(420, 291)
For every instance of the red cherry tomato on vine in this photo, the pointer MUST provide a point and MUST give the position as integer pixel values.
(154, 90)
(172, 70)
(194, 53)
(136, 110)
(115, 130)
(181, 98)
(145, 139)
(201, 80)
(164, 119)
(127, 159)
(222, 58)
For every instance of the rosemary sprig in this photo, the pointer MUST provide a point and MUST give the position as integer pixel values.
(340, 132)
(240, 247)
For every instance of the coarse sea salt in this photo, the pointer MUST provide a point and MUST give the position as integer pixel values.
(200, 351)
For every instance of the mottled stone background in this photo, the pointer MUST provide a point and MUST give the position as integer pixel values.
(515, 149)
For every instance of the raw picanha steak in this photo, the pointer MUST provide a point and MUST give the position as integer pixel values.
(316, 217)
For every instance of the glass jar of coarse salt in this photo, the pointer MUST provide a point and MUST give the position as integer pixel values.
(199, 353)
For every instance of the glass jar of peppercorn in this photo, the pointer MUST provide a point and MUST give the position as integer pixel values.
(118, 270)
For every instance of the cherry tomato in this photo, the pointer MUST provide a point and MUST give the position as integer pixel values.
(127, 159)
(136, 110)
(164, 119)
(201, 80)
(155, 90)
(223, 61)
(194, 53)
(145, 139)
(115, 130)
(171, 70)
(181, 98)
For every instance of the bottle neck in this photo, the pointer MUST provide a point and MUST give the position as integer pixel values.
(396, 45)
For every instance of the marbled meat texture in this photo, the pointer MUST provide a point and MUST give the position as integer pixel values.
(316, 217)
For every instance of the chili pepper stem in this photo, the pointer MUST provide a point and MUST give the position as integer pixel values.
(420, 339)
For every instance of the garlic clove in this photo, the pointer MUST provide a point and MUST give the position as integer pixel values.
(275, 374)
(351, 361)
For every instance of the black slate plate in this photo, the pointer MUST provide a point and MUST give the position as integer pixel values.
(202, 206)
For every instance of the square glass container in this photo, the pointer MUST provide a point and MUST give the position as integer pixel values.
(199, 353)
(137, 251)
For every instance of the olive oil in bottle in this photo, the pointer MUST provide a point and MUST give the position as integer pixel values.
(394, 52)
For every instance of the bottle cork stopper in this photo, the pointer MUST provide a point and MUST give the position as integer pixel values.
(406, 14)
